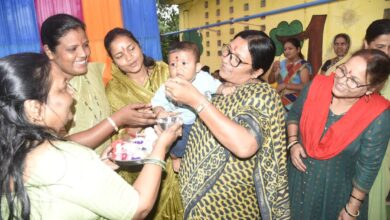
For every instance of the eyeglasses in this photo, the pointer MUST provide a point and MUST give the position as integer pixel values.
(235, 61)
(351, 82)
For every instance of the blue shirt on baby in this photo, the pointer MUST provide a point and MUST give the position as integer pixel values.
(204, 82)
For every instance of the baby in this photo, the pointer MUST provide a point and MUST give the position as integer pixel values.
(183, 61)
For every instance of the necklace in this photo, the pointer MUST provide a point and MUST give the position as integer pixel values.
(91, 102)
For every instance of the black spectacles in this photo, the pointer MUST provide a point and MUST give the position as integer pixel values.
(351, 82)
(235, 61)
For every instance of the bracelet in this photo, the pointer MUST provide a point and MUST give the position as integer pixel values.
(112, 122)
(360, 200)
(295, 135)
(350, 214)
(291, 144)
(201, 106)
(155, 161)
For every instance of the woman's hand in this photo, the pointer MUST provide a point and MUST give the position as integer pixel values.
(281, 87)
(105, 157)
(344, 215)
(168, 136)
(182, 91)
(135, 115)
(296, 153)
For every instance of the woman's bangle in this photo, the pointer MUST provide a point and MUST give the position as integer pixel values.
(113, 124)
(294, 135)
(349, 213)
(201, 106)
(291, 144)
(360, 200)
(155, 161)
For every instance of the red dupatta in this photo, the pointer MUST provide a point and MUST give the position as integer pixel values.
(344, 131)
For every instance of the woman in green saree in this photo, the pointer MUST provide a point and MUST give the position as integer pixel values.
(136, 77)
(235, 166)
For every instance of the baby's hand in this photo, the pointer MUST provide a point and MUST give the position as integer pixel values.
(228, 90)
(163, 114)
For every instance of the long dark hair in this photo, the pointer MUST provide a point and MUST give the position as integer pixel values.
(23, 77)
(378, 66)
(116, 32)
(261, 47)
(56, 26)
(377, 28)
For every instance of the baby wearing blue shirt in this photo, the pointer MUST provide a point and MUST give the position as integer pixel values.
(183, 61)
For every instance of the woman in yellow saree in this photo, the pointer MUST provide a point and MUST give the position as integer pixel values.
(136, 77)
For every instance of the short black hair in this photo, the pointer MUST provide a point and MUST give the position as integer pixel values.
(185, 45)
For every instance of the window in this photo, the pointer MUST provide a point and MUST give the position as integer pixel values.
(219, 43)
(206, 15)
(231, 30)
(218, 12)
(219, 33)
(231, 10)
(207, 34)
(206, 4)
(218, 20)
(262, 3)
(262, 27)
(386, 13)
(207, 43)
(219, 53)
(246, 7)
(262, 17)
(208, 53)
(246, 28)
(217, 2)
(206, 23)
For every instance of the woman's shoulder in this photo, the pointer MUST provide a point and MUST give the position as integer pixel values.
(54, 149)
(96, 68)
(261, 90)
(48, 162)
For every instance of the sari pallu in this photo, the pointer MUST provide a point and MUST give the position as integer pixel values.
(290, 73)
(208, 168)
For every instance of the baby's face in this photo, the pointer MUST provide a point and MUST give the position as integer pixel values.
(183, 64)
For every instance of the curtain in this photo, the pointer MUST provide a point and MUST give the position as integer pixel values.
(18, 27)
(140, 17)
(101, 16)
(47, 8)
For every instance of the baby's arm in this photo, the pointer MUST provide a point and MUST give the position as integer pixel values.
(225, 89)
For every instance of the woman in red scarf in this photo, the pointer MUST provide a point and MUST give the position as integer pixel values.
(338, 132)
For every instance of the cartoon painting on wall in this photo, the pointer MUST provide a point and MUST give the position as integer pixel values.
(314, 33)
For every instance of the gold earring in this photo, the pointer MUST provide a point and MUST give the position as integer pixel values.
(367, 98)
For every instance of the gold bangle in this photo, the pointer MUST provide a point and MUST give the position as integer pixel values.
(113, 124)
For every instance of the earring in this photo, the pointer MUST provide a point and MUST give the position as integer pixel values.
(367, 98)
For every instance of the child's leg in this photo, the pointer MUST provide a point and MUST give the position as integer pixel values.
(176, 163)
(178, 148)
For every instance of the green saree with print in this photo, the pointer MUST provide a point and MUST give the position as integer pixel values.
(215, 184)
